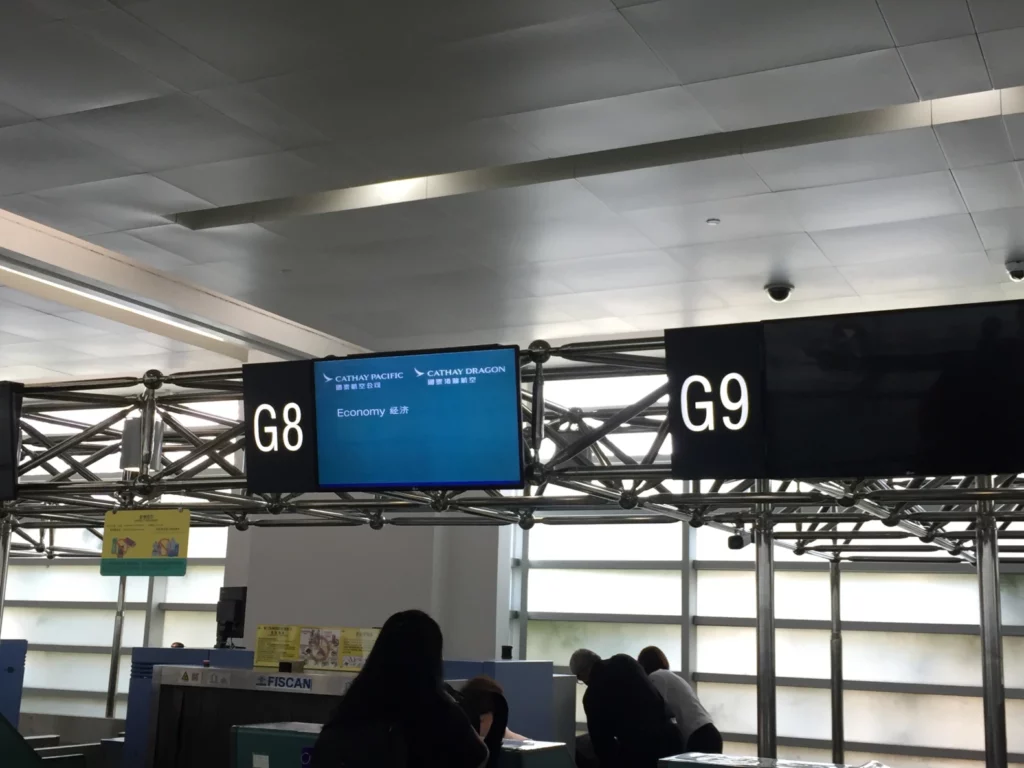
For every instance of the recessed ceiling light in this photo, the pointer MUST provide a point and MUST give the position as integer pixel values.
(713, 222)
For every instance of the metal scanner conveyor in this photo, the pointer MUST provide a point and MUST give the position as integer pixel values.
(195, 707)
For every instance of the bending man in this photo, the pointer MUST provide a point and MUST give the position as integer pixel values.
(628, 721)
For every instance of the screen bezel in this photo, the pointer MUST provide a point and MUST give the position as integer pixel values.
(518, 484)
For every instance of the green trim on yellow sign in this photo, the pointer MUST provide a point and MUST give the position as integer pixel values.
(152, 566)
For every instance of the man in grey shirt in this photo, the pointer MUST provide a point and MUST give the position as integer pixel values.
(694, 723)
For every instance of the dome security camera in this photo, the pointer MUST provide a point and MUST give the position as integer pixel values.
(778, 292)
(1015, 269)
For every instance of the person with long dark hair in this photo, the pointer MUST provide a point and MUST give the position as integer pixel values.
(396, 713)
(693, 721)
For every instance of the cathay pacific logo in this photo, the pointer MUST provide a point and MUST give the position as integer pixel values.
(418, 371)
(327, 379)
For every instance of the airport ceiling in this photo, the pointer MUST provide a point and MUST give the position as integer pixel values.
(116, 115)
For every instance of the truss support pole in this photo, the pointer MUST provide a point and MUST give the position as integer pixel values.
(115, 651)
(765, 564)
(537, 426)
(993, 691)
(838, 738)
(6, 528)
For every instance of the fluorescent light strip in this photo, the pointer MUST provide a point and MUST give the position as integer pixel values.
(111, 303)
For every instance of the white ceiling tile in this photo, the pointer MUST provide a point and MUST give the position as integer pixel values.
(33, 373)
(1003, 228)
(168, 132)
(123, 33)
(36, 156)
(581, 306)
(368, 225)
(875, 202)
(1015, 130)
(250, 40)
(337, 102)
(340, 163)
(837, 86)
(448, 20)
(99, 323)
(740, 218)
(229, 277)
(528, 280)
(370, 261)
(247, 106)
(63, 9)
(932, 273)
(33, 324)
(50, 215)
(22, 299)
(245, 179)
(548, 65)
(245, 243)
(11, 116)
(673, 297)
(54, 69)
(520, 206)
(568, 238)
(919, 21)
(622, 270)
(715, 179)
(812, 284)
(689, 36)
(996, 14)
(946, 67)
(1002, 256)
(917, 238)
(949, 295)
(117, 346)
(129, 202)
(988, 187)
(685, 319)
(133, 247)
(24, 12)
(900, 153)
(41, 353)
(1002, 54)
(975, 142)
(620, 121)
(767, 257)
(442, 148)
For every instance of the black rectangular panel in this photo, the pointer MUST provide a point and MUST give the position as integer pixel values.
(10, 438)
(280, 427)
(715, 403)
(917, 392)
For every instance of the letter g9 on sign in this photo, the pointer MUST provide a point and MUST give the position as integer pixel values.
(707, 406)
(715, 415)
(280, 428)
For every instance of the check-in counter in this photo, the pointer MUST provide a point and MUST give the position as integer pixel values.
(289, 745)
(695, 759)
(12, 677)
(196, 708)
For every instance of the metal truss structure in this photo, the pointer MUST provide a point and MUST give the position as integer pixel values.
(578, 473)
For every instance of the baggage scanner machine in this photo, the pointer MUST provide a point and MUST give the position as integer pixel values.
(195, 708)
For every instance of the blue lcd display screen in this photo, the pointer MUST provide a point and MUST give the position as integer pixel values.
(433, 420)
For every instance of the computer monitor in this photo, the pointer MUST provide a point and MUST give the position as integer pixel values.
(230, 614)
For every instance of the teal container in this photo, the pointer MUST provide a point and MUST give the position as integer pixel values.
(274, 745)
